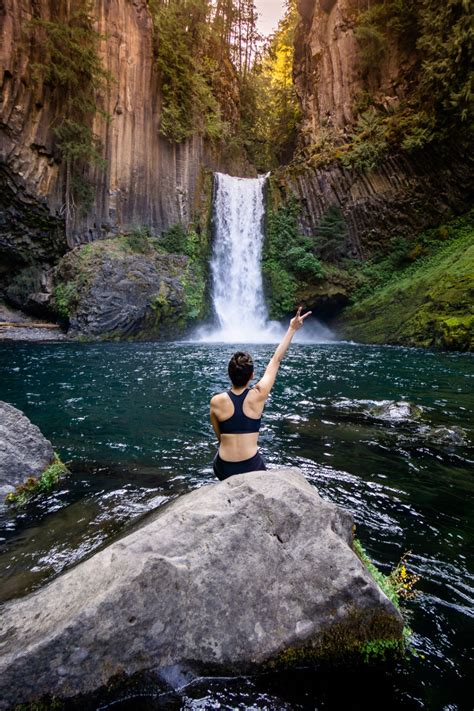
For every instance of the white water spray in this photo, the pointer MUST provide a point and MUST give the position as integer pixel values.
(237, 287)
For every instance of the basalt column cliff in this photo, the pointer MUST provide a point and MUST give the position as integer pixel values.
(140, 177)
(384, 154)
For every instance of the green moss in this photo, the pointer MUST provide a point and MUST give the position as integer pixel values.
(428, 302)
(47, 704)
(66, 297)
(38, 485)
(360, 636)
(383, 581)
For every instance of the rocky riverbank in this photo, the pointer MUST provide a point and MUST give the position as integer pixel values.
(18, 326)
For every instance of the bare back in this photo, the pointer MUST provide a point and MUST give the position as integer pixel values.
(238, 446)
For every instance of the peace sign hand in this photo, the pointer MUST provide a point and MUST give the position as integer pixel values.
(298, 320)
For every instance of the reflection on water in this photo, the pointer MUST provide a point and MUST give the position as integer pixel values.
(385, 432)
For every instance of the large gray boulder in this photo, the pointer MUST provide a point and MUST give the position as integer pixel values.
(231, 576)
(108, 291)
(24, 450)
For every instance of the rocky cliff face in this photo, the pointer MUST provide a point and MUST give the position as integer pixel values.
(401, 197)
(328, 74)
(406, 192)
(147, 181)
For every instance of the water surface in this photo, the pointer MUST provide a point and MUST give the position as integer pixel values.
(131, 419)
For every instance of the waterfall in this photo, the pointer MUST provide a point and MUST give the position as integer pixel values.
(237, 286)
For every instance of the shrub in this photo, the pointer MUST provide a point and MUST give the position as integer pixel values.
(332, 234)
(368, 141)
(66, 298)
(289, 259)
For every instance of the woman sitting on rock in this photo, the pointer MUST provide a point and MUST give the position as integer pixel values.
(237, 413)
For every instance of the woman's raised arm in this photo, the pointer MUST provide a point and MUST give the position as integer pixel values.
(265, 384)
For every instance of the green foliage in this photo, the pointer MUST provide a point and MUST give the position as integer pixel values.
(184, 50)
(332, 235)
(376, 650)
(368, 141)
(383, 581)
(391, 18)
(72, 67)
(446, 45)
(437, 39)
(33, 486)
(174, 239)
(269, 106)
(66, 298)
(395, 587)
(139, 240)
(288, 258)
(426, 299)
(372, 46)
(194, 243)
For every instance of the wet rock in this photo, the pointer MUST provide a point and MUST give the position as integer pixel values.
(234, 575)
(453, 436)
(395, 411)
(384, 411)
(24, 450)
(107, 291)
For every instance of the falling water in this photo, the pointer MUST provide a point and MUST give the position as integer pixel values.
(237, 286)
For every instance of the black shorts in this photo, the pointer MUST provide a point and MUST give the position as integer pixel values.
(223, 469)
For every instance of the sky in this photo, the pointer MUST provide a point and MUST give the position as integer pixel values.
(270, 11)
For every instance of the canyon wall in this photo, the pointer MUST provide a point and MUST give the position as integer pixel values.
(401, 197)
(329, 77)
(405, 192)
(147, 180)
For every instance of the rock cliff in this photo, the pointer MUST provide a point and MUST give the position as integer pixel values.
(147, 179)
(254, 570)
(400, 197)
(328, 73)
(405, 192)
(354, 160)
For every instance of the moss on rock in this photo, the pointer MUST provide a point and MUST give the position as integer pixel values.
(429, 303)
(131, 288)
(37, 485)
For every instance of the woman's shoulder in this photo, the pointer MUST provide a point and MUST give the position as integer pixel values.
(218, 397)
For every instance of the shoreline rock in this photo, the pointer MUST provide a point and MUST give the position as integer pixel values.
(25, 451)
(234, 576)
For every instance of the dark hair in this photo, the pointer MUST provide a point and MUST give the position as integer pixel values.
(240, 368)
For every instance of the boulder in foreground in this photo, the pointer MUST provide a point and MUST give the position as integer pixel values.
(231, 576)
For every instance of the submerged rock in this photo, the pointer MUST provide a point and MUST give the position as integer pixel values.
(453, 436)
(24, 451)
(385, 411)
(395, 411)
(249, 571)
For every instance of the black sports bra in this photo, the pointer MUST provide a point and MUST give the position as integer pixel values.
(239, 423)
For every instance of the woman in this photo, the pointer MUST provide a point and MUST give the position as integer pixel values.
(237, 413)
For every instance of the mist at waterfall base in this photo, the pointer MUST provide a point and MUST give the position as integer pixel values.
(238, 298)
